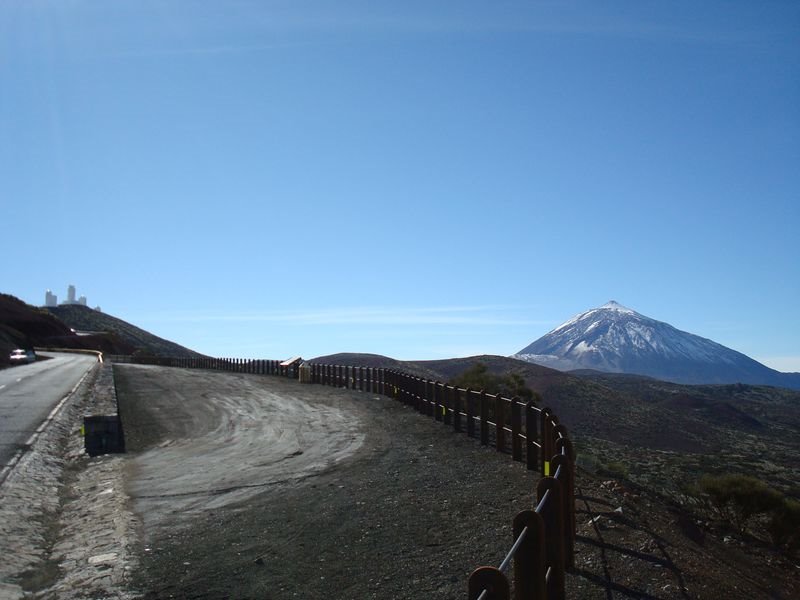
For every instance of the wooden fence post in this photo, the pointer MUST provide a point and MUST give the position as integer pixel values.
(553, 534)
(484, 418)
(456, 409)
(470, 414)
(566, 477)
(490, 579)
(546, 440)
(516, 429)
(499, 423)
(531, 433)
(529, 561)
(429, 393)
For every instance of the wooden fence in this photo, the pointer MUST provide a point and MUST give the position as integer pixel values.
(543, 542)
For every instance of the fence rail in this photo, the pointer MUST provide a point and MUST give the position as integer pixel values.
(543, 537)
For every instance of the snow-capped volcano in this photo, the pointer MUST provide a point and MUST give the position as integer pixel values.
(616, 339)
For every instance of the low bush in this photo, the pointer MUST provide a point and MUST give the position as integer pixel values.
(784, 526)
(738, 498)
(478, 377)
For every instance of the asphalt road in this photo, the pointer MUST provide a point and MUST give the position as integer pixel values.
(29, 392)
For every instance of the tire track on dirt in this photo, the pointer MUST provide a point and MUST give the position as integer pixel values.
(218, 438)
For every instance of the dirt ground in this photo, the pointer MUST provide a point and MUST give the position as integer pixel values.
(357, 496)
(204, 441)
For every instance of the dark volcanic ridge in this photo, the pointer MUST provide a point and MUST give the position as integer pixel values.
(85, 319)
(75, 327)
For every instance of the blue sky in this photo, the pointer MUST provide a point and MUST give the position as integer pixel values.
(417, 179)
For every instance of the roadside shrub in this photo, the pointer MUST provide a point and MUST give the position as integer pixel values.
(784, 526)
(589, 462)
(615, 469)
(738, 498)
(478, 377)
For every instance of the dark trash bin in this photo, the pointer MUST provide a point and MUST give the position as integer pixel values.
(102, 434)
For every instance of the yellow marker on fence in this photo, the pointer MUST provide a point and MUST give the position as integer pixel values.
(444, 411)
(547, 468)
(83, 431)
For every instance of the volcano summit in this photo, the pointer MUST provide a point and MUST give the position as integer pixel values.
(616, 339)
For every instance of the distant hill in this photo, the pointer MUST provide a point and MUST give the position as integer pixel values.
(664, 434)
(616, 339)
(26, 326)
(580, 403)
(84, 319)
(625, 409)
(352, 359)
(23, 326)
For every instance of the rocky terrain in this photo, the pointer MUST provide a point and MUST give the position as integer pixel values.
(410, 513)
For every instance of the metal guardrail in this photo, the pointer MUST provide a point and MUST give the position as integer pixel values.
(543, 537)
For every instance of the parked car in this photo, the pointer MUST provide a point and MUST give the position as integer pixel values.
(20, 356)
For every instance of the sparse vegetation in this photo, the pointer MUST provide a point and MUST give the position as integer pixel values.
(615, 469)
(510, 385)
(738, 498)
(784, 526)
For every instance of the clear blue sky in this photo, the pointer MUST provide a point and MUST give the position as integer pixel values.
(422, 179)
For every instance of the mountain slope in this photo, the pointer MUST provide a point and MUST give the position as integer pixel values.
(83, 318)
(616, 339)
(25, 326)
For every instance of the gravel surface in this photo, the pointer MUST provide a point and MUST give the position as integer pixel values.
(201, 440)
(410, 514)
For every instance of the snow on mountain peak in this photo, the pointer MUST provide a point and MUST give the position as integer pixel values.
(617, 339)
(614, 305)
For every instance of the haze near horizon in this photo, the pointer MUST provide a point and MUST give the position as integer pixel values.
(262, 179)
